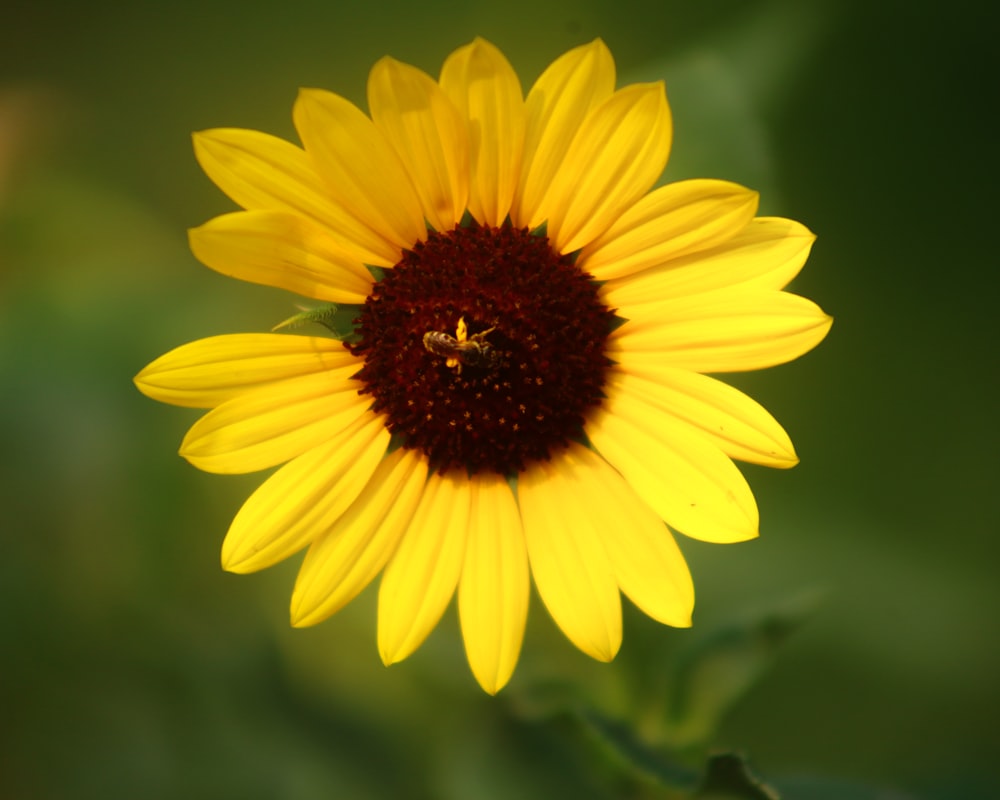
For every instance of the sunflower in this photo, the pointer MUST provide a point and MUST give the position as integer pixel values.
(521, 390)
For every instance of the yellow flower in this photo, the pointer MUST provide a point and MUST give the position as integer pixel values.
(524, 392)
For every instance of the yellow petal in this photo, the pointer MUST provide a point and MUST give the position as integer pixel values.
(561, 509)
(422, 575)
(682, 476)
(562, 97)
(206, 373)
(646, 561)
(667, 223)
(427, 133)
(305, 497)
(259, 171)
(738, 425)
(724, 331)
(275, 423)
(494, 588)
(766, 254)
(284, 250)
(615, 158)
(344, 559)
(359, 166)
(484, 88)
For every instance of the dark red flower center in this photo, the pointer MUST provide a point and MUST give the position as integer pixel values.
(484, 349)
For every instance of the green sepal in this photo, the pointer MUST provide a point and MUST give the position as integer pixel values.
(396, 440)
(338, 319)
(615, 322)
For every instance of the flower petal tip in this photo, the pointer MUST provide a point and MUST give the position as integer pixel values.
(784, 462)
(139, 381)
(746, 536)
(242, 558)
(606, 655)
(822, 327)
(307, 99)
(301, 617)
(204, 140)
(231, 563)
(189, 453)
(491, 682)
(603, 650)
(492, 678)
(389, 657)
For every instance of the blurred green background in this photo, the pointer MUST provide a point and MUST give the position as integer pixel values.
(133, 667)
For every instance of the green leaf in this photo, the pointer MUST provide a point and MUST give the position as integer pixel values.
(717, 670)
(636, 756)
(728, 777)
(617, 739)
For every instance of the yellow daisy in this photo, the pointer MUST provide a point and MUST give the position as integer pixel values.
(524, 390)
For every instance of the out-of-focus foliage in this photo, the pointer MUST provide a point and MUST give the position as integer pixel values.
(133, 667)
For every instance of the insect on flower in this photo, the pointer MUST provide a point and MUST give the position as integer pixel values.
(462, 350)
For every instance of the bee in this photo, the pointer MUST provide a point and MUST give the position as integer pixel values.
(461, 349)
